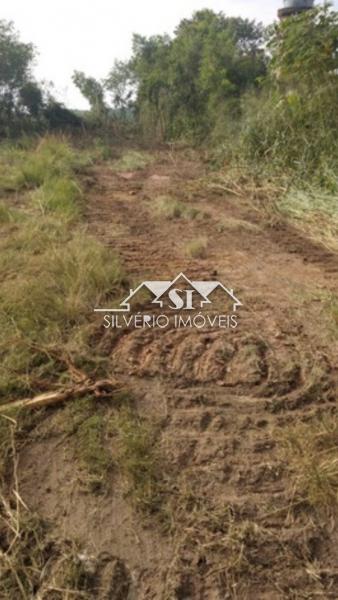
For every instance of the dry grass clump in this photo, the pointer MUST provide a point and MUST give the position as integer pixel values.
(32, 562)
(315, 212)
(237, 225)
(171, 208)
(311, 451)
(133, 161)
(197, 248)
(7, 214)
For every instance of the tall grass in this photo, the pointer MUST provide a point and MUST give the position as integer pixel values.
(52, 275)
(61, 196)
(50, 158)
(51, 279)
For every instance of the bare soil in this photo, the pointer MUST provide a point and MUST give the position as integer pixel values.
(219, 399)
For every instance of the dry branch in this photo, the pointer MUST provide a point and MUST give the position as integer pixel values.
(100, 389)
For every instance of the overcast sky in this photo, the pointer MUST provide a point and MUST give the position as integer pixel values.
(88, 35)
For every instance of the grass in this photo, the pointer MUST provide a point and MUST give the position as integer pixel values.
(92, 453)
(133, 161)
(34, 564)
(171, 209)
(138, 459)
(26, 548)
(50, 158)
(237, 225)
(5, 445)
(311, 451)
(52, 274)
(197, 248)
(51, 280)
(7, 215)
(314, 211)
(60, 196)
(333, 307)
(225, 541)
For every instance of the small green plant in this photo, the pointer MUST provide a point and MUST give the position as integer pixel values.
(197, 248)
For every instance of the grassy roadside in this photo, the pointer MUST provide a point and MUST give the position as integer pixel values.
(52, 274)
(52, 271)
(309, 208)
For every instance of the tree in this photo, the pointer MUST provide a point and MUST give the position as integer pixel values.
(187, 83)
(31, 98)
(15, 70)
(294, 122)
(305, 48)
(93, 91)
(120, 84)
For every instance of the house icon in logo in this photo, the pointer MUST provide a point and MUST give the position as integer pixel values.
(180, 293)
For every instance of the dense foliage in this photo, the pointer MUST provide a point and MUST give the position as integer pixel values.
(293, 122)
(190, 85)
(266, 96)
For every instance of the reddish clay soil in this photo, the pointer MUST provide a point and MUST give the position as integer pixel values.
(219, 397)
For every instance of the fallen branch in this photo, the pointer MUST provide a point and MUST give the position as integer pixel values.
(100, 389)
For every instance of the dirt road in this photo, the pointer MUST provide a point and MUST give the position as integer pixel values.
(221, 398)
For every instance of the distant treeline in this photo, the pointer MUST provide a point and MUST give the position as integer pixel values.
(265, 95)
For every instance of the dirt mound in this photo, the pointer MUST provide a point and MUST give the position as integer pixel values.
(241, 362)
